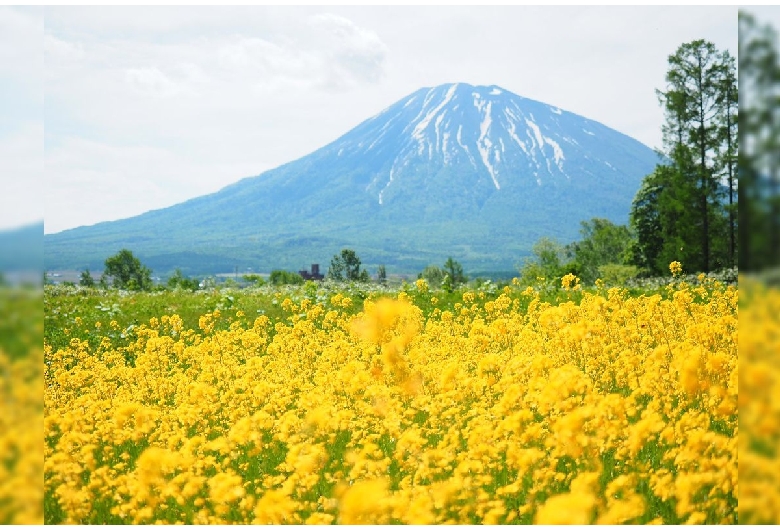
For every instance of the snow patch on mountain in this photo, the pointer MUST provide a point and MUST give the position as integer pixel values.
(445, 151)
(484, 144)
(537, 133)
(390, 181)
(512, 130)
(465, 148)
(504, 138)
(418, 133)
(557, 152)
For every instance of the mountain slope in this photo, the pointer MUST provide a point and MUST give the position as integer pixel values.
(21, 249)
(477, 173)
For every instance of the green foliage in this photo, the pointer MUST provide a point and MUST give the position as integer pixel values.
(381, 275)
(20, 325)
(346, 267)
(86, 279)
(548, 262)
(453, 274)
(256, 279)
(280, 277)
(616, 274)
(679, 213)
(605, 248)
(180, 281)
(128, 272)
(645, 221)
(603, 242)
(433, 275)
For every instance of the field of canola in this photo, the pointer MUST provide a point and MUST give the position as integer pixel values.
(493, 406)
(21, 406)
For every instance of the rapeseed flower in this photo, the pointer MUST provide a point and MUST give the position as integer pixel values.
(396, 415)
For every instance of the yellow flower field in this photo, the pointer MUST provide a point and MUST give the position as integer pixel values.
(501, 409)
(21, 406)
(759, 404)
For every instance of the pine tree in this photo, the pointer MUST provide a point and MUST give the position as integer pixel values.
(693, 103)
(381, 275)
(86, 279)
(679, 213)
(727, 155)
(455, 272)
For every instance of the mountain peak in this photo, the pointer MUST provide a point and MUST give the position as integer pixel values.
(487, 127)
(475, 172)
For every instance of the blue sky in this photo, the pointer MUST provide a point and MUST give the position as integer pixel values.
(150, 106)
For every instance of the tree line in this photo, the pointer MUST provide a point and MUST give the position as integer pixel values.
(125, 271)
(686, 209)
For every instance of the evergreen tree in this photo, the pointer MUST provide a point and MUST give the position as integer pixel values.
(679, 212)
(381, 275)
(86, 279)
(454, 270)
(727, 155)
(694, 107)
(645, 221)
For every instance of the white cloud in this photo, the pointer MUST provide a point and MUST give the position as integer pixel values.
(263, 63)
(21, 46)
(21, 108)
(62, 51)
(152, 82)
(356, 54)
(21, 167)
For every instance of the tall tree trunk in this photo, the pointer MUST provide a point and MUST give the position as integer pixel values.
(705, 236)
(730, 167)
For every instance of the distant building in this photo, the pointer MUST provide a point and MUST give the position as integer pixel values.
(314, 274)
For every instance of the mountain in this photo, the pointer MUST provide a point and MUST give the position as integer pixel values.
(473, 172)
(21, 249)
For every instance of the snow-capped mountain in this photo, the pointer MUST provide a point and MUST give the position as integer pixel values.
(473, 172)
(502, 136)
